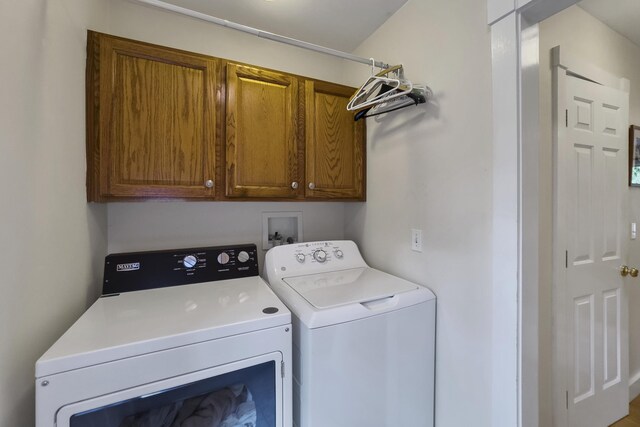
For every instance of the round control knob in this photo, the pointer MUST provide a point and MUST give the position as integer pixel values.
(243, 256)
(300, 258)
(189, 261)
(223, 258)
(320, 255)
(338, 253)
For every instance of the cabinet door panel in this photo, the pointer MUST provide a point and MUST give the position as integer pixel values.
(161, 118)
(157, 121)
(261, 140)
(334, 144)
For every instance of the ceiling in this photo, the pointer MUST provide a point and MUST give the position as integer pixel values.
(344, 24)
(338, 24)
(620, 15)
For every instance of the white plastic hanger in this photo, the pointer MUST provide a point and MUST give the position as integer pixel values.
(371, 92)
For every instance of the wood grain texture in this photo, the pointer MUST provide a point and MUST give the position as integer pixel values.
(92, 88)
(261, 133)
(161, 121)
(335, 148)
(157, 120)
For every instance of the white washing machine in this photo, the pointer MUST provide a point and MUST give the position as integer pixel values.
(363, 340)
(179, 337)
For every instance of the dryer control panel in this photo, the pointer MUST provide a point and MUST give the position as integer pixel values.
(135, 271)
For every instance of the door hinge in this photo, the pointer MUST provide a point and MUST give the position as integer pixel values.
(567, 395)
(282, 369)
(566, 259)
(566, 118)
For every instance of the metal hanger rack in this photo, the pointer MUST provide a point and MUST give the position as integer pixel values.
(259, 33)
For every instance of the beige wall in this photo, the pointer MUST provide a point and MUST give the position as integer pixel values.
(584, 36)
(145, 23)
(51, 242)
(162, 225)
(429, 167)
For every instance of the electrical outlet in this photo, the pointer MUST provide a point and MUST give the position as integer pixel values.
(416, 240)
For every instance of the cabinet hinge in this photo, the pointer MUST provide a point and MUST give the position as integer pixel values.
(566, 118)
(282, 369)
(566, 259)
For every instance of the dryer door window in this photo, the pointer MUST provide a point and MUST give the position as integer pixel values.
(246, 396)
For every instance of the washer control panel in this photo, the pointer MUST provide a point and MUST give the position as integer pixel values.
(312, 257)
(320, 252)
(320, 255)
(136, 271)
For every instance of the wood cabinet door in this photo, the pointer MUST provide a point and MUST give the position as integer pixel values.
(261, 133)
(335, 167)
(157, 120)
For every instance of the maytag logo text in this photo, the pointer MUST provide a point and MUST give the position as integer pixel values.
(128, 267)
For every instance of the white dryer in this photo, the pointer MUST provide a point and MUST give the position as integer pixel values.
(363, 342)
(176, 334)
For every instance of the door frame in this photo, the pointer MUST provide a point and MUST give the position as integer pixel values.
(563, 61)
(515, 216)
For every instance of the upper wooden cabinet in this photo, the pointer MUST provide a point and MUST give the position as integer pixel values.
(164, 123)
(334, 143)
(151, 116)
(261, 133)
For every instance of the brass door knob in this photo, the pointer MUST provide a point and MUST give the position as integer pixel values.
(626, 271)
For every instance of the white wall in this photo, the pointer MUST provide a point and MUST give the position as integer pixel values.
(145, 23)
(584, 36)
(164, 225)
(429, 167)
(51, 242)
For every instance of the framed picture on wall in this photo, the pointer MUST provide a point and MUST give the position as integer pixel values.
(634, 156)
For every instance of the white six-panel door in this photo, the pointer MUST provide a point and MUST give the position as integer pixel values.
(591, 199)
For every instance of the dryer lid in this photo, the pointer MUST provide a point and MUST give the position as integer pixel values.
(344, 287)
(141, 322)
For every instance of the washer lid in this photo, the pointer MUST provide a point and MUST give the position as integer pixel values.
(344, 287)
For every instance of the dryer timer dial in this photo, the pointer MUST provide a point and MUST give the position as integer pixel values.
(223, 258)
(189, 261)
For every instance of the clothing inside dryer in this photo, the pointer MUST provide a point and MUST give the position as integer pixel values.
(243, 398)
